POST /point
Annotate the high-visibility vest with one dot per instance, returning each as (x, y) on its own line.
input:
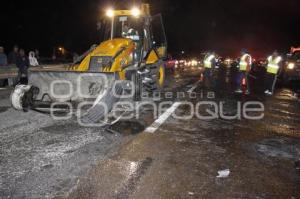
(244, 65)
(207, 61)
(273, 64)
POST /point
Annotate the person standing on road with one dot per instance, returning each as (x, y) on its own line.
(273, 69)
(245, 64)
(37, 55)
(32, 59)
(209, 65)
(22, 64)
(12, 57)
(3, 57)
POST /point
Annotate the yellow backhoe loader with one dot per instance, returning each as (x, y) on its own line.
(129, 60)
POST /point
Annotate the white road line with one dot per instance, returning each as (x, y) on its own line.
(162, 118)
(3, 88)
(194, 87)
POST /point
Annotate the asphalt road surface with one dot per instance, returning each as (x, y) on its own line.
(162, 157)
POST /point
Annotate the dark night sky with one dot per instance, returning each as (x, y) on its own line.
(225, 26)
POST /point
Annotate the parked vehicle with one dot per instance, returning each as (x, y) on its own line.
(291, 69)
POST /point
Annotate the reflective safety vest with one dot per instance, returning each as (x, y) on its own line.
(207, 61)
(273, 64)
(244, 65)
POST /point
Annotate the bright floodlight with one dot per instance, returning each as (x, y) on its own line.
(110, 13)
(135, 12)
(291, 66)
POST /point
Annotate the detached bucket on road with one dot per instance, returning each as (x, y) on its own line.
(86, 90)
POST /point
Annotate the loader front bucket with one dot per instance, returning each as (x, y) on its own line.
(98, 91)
(63, 86)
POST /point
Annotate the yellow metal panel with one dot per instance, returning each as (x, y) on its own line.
(122, 75)
(162, 51)
(145, 8)
(161, 79)
(122, 12)
(84, 65)
(109, 48)
(124, 59)
(152, 58)
(127, 13)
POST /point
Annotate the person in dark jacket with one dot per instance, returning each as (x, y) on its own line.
(12, 56)
(3, 57)
(22, 63)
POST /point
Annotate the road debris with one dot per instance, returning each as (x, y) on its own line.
(223, 173)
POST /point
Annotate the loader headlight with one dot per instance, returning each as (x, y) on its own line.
(110, 13)
(291, 66)
(135, 12)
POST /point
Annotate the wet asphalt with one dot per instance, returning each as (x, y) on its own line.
(44, 158)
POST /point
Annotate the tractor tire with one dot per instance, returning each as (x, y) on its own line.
(156, 79)
(137, 82)
(98, 112)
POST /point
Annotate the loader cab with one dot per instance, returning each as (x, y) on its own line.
(145, 31)
(129, 27)
(126, 27)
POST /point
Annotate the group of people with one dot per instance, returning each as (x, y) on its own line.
(273, 69)
(17, 57)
